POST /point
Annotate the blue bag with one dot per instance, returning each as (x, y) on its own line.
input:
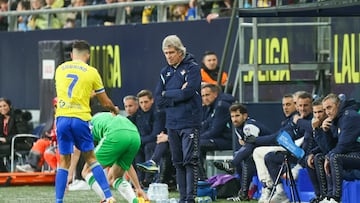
(285, 140)
(204, 189)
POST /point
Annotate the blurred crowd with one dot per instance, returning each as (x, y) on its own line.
(141, 14)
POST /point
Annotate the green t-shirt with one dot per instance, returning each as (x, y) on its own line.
(105, 124)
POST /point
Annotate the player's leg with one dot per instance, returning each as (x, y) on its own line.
(116, 174)
(98, 173)
(84, 142)
(90, 180)
(106, 155)
(61, 177)
(128, 145)
(65, 142)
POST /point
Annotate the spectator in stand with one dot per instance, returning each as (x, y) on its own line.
(37, 153)
(131, 105)
(3, 19)
(264, 3)
(210, 69)
(211, 10)
(23, 20)
(133, 14)
(69, 23)
(97, 18)
(212, 7)
(149, 14)
(36, 21)
(57, 20)
(216, 132)
(346, 154)
(76, 16)
(246, 129)
(150, 123)
(12, 122)
(178, 93)
(111, 14)
(181, 12)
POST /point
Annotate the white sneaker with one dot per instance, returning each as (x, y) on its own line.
(325, 200)
(333, 200)
(25, 168)
(280, 197)
(78, 185)
(126, 191)
(265, 194)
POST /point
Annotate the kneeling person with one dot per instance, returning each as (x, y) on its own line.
(118, 143)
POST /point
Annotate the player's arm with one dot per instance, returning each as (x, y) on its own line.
(106, 102)
(135, 181)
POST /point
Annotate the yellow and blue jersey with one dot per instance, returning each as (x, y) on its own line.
(75, 81)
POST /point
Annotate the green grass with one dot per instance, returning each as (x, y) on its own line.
(46, 194)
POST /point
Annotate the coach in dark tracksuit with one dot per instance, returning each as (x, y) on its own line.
(178, 92)
(346, 154)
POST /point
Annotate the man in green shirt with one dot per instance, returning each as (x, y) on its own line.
(118, 142)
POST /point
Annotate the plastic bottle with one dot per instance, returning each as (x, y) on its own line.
(173, 200)
(207, 199)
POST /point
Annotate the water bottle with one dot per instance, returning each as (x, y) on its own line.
(198, 199)
(173, 200)
(157, 191)
(207, 199)
(164, 191)
(151, 192)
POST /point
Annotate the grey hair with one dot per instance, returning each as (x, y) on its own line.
(175, 42)
(130, 97)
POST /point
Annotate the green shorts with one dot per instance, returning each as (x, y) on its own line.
(118, 147)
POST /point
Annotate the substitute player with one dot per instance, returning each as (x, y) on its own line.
(118, 143)
(75, 81)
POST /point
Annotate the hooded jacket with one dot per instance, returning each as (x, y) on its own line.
(347, 122)
(217, 122)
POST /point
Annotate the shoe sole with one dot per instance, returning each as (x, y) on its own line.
(221, 167)
(22, 170)
(144, 169)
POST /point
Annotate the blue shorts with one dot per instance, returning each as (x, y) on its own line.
(73, 131)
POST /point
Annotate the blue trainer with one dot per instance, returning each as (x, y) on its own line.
(148, 166)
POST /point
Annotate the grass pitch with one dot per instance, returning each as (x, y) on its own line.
(46, 194)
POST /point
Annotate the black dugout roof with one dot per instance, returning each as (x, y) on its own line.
(329, 8)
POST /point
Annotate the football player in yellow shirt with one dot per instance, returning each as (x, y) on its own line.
(75, 81)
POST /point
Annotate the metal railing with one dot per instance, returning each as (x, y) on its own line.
(120, 18)
(120, 14)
